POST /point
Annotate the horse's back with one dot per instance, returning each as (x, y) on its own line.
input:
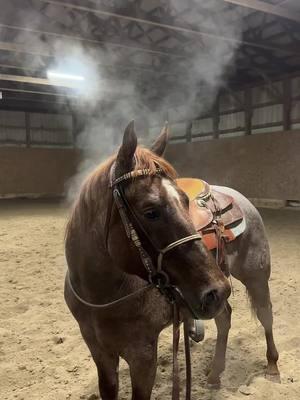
(251, 214)
(249, 254)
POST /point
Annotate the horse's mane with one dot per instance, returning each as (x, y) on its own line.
(95, 187)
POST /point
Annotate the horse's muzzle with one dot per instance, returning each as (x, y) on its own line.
(213, 301)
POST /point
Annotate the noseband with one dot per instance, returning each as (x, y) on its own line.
(156, 274)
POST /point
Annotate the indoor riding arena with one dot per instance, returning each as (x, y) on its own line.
(218, 79)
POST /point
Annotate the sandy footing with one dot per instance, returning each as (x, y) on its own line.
(42, 355)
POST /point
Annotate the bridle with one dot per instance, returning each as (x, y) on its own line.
(157, 277)
(155, 272)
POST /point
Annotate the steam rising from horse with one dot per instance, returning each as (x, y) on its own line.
(105, 266)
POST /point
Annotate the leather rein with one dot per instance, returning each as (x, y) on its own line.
(157, 277)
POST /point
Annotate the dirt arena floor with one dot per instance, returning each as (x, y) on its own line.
(42, 355)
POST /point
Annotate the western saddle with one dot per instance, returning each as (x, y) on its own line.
(216, 216)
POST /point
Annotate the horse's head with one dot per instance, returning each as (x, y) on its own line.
(159, 211)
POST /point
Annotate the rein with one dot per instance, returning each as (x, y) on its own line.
(110, 304)
(157, 278)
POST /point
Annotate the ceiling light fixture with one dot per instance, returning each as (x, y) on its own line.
(61, 75)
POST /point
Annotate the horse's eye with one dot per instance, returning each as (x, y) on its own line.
(152, 214)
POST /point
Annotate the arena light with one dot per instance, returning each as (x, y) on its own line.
(63, 76)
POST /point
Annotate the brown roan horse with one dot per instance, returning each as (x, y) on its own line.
(105, 265)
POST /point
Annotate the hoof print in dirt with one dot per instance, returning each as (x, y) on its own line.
(246, 390)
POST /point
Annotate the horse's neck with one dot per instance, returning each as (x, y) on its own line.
(102, 282)
(92, 270)
(93, 276)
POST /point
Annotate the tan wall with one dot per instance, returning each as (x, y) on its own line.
(259, 166)
(36, 171)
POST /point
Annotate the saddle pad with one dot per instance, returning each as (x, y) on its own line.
(230, 234)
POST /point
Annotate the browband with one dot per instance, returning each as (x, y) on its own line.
(135, 174)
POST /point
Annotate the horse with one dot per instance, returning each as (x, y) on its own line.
(130, 225)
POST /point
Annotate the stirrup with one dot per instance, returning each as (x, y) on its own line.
(196, 330)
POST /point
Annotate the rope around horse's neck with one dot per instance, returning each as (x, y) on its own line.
(110, 304)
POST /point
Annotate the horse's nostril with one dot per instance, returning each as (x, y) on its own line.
(210, 297)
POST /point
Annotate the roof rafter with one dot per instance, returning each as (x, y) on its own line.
(94, 41)
(19, 48)
(259, 5)
(33, 80)
(188, 30)
(46, 53)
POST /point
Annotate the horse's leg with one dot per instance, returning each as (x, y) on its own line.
(261, 303)
(108, 376)
(107, 367)
(142, 360)
(223, 323)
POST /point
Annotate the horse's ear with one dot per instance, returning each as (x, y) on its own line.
(160, 143)
(124, 160)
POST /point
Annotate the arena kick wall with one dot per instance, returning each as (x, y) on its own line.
(265, 166)
(262, 166)
(36, 172)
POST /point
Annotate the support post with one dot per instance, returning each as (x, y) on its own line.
(287, 104)
(27, 128)
(188, 131)
(248, 111)
(216, 118)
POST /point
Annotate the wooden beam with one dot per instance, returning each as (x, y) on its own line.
(34, 81)
(39, 92)
(267, 8)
